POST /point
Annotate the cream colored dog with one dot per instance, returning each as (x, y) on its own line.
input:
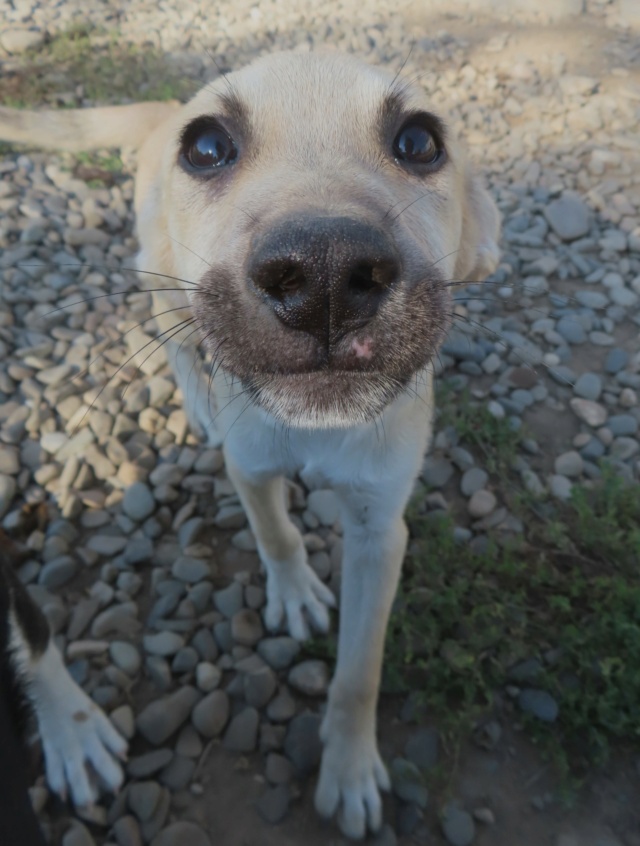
(308, 216)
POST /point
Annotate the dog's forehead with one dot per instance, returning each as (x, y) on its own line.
(319, 97)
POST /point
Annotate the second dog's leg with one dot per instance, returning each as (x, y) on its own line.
(294, 592)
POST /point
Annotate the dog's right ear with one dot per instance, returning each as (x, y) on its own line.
(479, 253)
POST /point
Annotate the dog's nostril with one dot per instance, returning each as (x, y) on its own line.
(280, 279)
(367, 278)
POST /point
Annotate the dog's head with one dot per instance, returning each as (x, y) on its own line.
(325, 213)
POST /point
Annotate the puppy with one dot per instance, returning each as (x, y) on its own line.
(76, 736)
(308, 216)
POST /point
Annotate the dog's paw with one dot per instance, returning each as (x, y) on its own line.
(351, 777)
(80, 745)
(298, 597)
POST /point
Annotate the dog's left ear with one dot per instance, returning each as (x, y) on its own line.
(479, 254)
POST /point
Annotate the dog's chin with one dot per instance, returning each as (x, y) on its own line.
(326, 399)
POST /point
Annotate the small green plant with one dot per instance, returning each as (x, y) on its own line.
(567, 601)
(96, 65)
(495, 437)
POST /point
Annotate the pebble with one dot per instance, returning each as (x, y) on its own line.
(302, 743)
(190, 570)
(163, 643)
(539, 703)
(408, 782)
(437, 471)
(457, 826)
(246, 627)
(182, 834)
(590, 412)
(274, 804)
(588, 386)
(422, 748)
(163, 717)
(310, 677)
(242, 733)
(229, 600)
(473, 480)
(126, 657)
(211, 714)
(481, 504)
(569, 464)
(569, 217)
(138, 502)
(278, 652)
(560, 487)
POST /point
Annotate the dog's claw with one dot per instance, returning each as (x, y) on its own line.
(351, 777)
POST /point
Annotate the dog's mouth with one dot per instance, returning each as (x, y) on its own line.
(324, 399)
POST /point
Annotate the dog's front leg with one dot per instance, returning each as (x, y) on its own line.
(294, 593)
(352, 772)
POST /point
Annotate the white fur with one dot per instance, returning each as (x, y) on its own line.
(372, 468)
(78, 740)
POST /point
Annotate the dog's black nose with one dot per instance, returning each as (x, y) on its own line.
(324, 275)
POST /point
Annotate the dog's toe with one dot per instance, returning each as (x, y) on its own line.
(349, 784)
(298, 598)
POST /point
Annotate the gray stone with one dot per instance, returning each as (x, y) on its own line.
(623, 424)
(590, 412)
(616, 360)
(539, 703)
(208, 676)
(571, 330)
(279, 770)
(458, 826)
(274, 804)
(302, 743)
(259, 687)
(283, 707)
(278, 652)
(242, 733)
(77, 835)
(246, 627)
(143, 766)
(181, 834)
(190, 570)
(163, 643)
(161, 718)
(17, 41)
(560, 487)
(229, 600)
(436, 471)
(473, 480)
(178, 774)
(8, 488)
(211, 714)
(143, 799)
(310, 677)
(569, 217)
(138, 502)
(588, 386)
(422, 748)
(58, 572)
(569, 464)
(408, 783)
(125, 656)
(481, 504)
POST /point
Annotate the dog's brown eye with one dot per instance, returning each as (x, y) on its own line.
(206, 147)
(417, 144)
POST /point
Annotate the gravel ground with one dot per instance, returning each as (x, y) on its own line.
(138, 550)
